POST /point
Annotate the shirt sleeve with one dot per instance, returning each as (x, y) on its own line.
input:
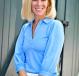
(19, 56)
(53, 50)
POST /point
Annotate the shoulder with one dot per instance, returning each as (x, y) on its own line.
(25, 25)
(53, 23)
(57, 24)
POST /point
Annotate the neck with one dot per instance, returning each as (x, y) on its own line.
(37, 19)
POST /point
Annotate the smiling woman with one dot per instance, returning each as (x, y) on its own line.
(40, 41)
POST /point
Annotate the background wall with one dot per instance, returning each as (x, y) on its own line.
(7, 27)
(69, 11)
(10, 25)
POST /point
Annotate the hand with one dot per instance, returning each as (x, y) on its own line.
(22, 73)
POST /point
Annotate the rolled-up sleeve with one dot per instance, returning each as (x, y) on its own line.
(19, 56)
(53, 50)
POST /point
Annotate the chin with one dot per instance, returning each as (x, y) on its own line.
(40, 15)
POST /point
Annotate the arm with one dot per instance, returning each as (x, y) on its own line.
(19, 56)
(53, 50)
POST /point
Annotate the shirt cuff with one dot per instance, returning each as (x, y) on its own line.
(19, 67)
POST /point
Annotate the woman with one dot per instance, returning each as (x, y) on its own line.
(40, 41)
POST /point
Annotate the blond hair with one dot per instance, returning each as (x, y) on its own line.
(27, 14)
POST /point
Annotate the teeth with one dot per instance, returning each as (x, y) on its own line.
(39, 8)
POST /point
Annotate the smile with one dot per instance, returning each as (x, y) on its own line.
(38, 9)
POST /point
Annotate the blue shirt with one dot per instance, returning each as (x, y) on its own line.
(41, 53)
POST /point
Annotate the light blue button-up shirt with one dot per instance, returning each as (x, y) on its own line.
(41, 53)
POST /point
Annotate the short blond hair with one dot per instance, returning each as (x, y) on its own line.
(26, 12)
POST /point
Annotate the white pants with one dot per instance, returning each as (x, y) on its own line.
(31, 74)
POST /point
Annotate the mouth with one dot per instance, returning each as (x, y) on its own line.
(39, 9)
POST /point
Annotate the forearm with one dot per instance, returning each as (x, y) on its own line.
(22, 73)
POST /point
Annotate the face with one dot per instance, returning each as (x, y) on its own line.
(39, 7)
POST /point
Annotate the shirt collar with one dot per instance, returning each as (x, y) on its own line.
(45, 20)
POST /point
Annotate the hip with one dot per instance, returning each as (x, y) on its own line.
(32, 74)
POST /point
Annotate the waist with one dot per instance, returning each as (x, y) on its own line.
(31, 74)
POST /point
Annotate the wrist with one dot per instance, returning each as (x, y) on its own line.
(22, 73)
